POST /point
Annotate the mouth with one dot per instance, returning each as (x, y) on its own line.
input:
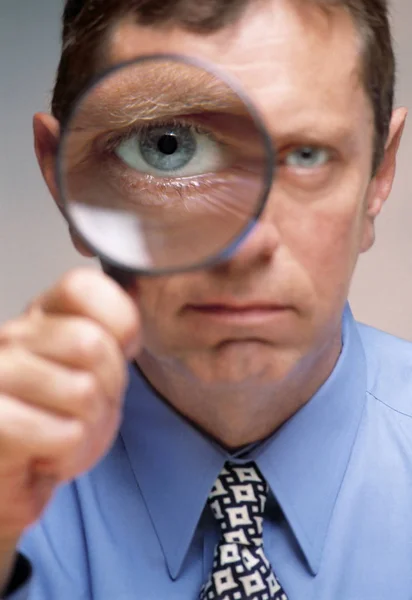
(233, 308)
(238, 313)
(232, 305)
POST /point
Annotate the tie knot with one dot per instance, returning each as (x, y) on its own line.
(238, 501)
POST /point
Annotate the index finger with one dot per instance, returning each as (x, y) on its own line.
(91, 294)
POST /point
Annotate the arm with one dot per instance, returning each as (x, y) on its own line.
(15, 585)
(58, 420)
(15, 571)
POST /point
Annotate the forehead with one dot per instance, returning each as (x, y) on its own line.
(293, 57)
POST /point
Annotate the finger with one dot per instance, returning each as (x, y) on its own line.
(27, 432)
(91, 294)
(76, 343)
(52, 387)
(61, 447)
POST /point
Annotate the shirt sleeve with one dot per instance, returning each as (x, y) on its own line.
(19, 584)
(52, 563)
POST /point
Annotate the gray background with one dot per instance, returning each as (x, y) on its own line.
(34, 245)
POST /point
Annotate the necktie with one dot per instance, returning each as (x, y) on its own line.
(240, 568)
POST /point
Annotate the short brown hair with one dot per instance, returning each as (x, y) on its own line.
(87, 22)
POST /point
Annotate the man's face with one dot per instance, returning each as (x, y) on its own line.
(301, 68)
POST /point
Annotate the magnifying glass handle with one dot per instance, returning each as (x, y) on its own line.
(123, 278)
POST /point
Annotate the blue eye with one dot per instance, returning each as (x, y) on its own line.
(171, 150)
(307, 157)
(168, 149)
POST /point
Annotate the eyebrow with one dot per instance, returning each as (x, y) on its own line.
(120, 99)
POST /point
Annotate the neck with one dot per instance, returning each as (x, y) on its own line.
(226, 412)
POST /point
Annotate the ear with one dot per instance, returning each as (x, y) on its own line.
(46, 131)
(381, 185)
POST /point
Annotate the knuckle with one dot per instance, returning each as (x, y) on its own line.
(72, 283)
(75, 285)
(91, 344)
(12, 361)
(67, 445)
(73, 451)
(73, 438)
(14, 426)
(87, 392)
(13, 331)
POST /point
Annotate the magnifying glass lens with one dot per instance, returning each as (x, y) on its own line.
(163, 165)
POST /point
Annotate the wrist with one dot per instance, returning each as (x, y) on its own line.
(8, 553)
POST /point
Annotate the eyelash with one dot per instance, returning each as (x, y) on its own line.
(110, 144)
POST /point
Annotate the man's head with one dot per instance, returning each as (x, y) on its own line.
(322, 76)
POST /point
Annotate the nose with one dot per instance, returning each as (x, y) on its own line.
(256, 250)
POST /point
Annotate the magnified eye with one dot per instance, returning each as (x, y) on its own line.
(172, 150)
(307, 157)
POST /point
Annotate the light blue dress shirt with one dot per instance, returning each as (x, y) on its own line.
(136, 527)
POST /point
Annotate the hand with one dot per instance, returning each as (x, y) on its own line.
(62, 379)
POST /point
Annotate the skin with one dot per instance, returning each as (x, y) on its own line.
(238, 379)
(301, 67)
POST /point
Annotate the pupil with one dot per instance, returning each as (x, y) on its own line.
(167, 144)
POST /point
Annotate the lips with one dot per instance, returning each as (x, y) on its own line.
(238, 320)
(253, 314)
(231, 310)
(234, 307)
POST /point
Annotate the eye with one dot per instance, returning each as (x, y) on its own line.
(172, 150)
(307, 157)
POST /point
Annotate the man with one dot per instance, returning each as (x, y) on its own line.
(256, 403)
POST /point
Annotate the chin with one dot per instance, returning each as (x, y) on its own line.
(242, 363)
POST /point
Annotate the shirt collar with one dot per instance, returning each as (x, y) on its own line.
(175, 466)
(304, 462)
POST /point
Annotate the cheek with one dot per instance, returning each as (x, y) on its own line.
(324, 238)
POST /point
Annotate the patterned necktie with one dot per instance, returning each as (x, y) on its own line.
(240, 568)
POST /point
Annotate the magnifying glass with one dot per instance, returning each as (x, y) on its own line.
(164, 166)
